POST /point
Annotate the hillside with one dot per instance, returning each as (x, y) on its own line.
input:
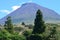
(26, 13)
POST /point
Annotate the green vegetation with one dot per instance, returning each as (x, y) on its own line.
(39, 27)
(8, 32)
(40, 30)
(23, 23)
(5, 35)
(8, 25)
(52, 35)
(39, 23)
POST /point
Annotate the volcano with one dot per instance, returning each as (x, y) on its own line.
(27, 12)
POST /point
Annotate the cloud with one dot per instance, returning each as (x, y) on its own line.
(9, 11)
(15, 7)
(5, 11)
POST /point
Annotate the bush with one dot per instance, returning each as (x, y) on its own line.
(27, 33)
(18, 37)
(5, 35)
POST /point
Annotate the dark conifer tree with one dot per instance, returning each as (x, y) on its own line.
(23, 23)
(8, 25)
(39, 26)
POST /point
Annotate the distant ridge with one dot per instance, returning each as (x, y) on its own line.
(26, 13)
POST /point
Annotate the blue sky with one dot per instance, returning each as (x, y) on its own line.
(7, 6)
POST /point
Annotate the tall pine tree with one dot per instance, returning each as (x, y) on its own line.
(39, 26)
(8, 25)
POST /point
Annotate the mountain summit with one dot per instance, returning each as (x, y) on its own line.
(27, 12)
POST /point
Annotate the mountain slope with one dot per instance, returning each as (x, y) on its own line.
(26, 13)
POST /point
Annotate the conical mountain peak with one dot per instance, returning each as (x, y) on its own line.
(27, 12)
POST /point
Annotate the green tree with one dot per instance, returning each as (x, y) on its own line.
(39, 26)
(8, 25)
(23, 23)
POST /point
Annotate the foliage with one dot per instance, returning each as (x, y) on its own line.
(18, 29)
(5, 35)
(27, 33)
(8, 33)
(8, 25)
(52, 35)
(39, 26)
(23, 23)
(38, 32)
(17, 37)
(34, 37)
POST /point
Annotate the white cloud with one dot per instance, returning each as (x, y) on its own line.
(8, 11)
(5, 11)
(15, 7)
